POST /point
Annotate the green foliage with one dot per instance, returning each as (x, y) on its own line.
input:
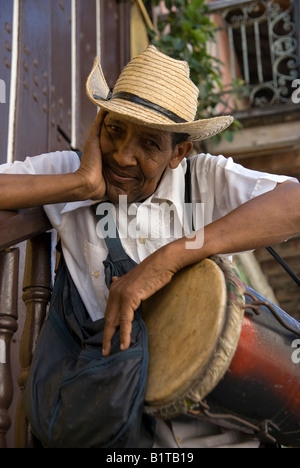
(185, 35)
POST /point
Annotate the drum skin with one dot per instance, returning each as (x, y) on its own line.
(220, 359)
(192, 336)
(263, 381)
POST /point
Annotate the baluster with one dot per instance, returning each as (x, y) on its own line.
(9, 267)
(37, 292)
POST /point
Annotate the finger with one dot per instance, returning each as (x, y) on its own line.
(96, 127)
(125, 334)
(109, 331)
(126, 320)
(93, 141)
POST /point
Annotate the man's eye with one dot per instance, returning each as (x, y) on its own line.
(152, 144)
(115, 129)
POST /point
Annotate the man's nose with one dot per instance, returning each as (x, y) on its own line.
(126, 153)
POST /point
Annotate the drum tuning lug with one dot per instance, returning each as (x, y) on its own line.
(253, 307)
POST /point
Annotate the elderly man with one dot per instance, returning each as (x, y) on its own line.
(137, 149)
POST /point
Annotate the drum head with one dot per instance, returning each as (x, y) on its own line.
(190, 348)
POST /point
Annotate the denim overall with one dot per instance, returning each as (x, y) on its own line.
(75, 397)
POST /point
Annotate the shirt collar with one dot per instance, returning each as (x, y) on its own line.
(171, 189)
(72, 206)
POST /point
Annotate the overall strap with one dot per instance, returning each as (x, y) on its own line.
(113, 244)
(188, 196)
(188, 183)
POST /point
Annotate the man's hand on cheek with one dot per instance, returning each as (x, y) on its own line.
(90, 170)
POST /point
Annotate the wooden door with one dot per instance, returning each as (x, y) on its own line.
(47, 49)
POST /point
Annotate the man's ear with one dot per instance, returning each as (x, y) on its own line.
(182, 150)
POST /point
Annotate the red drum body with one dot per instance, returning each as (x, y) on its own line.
(262, 384)
(220, 351)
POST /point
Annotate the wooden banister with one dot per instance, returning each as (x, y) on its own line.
(9, 268)
(30, 224)
(17, 226)
(37, 292)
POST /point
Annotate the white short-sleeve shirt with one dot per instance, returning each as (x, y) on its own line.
(218, 186)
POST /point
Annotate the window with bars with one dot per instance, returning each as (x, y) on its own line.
(263, 46)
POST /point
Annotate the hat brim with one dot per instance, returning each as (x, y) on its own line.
(197, 130)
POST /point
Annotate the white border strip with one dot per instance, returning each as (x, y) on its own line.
(13, 82)
(74, 74)
(98, 29)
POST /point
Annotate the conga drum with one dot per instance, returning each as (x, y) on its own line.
(220, 351)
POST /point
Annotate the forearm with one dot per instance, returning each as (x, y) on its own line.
(23, 191)
(266, 220)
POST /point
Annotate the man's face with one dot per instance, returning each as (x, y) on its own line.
(134, 158)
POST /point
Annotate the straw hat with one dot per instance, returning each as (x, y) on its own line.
(155, 90)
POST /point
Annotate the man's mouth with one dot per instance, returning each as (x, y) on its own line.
(118, 176)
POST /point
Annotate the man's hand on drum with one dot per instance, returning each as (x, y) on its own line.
(127, 292)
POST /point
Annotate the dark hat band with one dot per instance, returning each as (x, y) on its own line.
(125, 96)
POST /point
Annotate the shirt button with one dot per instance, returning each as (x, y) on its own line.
(142, 240)
(96, 274)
